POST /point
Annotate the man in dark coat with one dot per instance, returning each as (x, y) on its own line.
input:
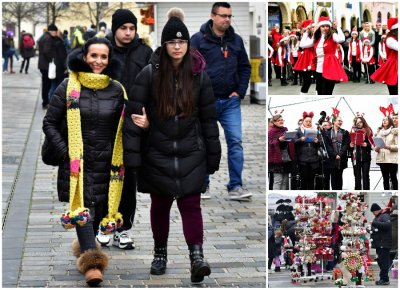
(134, 55)
(229, 69)
(51, 47)
(381, 236)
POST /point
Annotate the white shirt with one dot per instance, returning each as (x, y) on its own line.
(270, 51)
(365, 57)
(337, 37)
(392, 43)
(306, 42)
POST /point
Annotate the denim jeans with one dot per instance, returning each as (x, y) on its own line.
(54, 84)
(7, 55)
(383, 263)
(230, 117)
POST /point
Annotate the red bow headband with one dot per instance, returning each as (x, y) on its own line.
(358, 114)
(387, 111)
(280, 113)
(305, 114)
(335, 112)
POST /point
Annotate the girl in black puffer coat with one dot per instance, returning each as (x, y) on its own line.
(181, 145)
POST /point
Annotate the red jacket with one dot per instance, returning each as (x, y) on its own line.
(388, 72)
(332, 69)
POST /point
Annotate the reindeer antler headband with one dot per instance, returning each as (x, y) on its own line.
(387, 112)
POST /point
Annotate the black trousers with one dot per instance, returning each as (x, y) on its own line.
(269, 69)
(307, 175)
(295, 73)
(369, 70)
(356, 68)
(389, 172)
(337, 179)
(87, 233)
(127, 207)
(306, 81)
(276, 68)
(393, 90)
(46, 85)
(25, 61)
(324, 86)
(361, 172)
(327, 177)
(383, 263)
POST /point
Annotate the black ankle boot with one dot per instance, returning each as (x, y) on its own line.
(283, 82)
(198, 267)
(159, 264)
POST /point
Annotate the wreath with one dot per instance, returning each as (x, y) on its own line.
(353, 262)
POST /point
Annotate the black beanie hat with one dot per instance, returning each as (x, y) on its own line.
(52, 27)
(375, 207)
(120, 17)
(174, 29)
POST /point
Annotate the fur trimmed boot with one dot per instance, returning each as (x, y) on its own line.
(159, 264)
(198, 267)
(76, 248)
(92, 263)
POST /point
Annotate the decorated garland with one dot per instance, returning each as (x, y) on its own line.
(353, 262)
(77, 213)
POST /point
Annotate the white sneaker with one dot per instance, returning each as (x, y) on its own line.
(239, 193)
(206, 195)
(123, 240)
(103, 239)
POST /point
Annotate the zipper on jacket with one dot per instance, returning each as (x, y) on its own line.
(176, 162)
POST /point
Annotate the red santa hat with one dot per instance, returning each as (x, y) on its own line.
(306, 23)
(354, 31)
(323, 20)
(292, 34)
(366, 40)
(393, 23)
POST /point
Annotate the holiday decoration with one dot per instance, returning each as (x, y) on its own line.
(355, 245)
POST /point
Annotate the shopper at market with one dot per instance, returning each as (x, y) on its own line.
(381, 236)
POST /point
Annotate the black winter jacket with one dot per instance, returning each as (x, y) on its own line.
(132, 60)
(100, 112)
(306, 152)
(381, 231)
(173, 156)
(52, 48)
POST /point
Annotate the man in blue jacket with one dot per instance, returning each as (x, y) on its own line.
(229, 68)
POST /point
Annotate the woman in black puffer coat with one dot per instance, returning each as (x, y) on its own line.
(181, 145)
(89, 105)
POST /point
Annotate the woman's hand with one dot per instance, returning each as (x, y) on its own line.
(315, 140)
(377, 149)
(282, 138)
(352, 145)
(302, 139)
(364, 144)
(141, 120)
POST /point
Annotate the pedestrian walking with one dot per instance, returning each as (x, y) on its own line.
(27, 50)
(181, 145)
(360, 148)
(329, 70)
(387, 157)
(271, 244)
(133, 55)
(51, 48)
(278, 250)
(77, 40)
(89, 106)
(381, 236)
(67, 42)
(306, 61)
(388, 72)
(229, 69)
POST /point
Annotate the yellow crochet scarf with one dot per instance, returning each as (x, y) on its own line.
(77, 213)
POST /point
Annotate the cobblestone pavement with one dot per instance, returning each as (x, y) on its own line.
(36, 250)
